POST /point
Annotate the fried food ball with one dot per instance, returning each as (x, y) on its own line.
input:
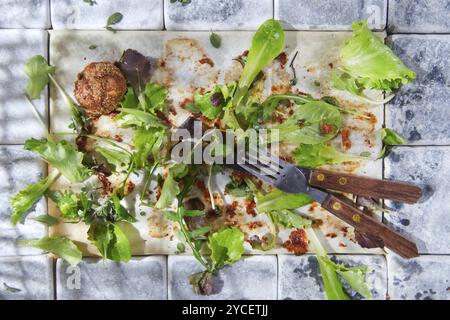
(99, 88)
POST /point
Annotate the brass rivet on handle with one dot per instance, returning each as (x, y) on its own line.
(320, 177)
(356, 218)
(342, 181)
(336, 206)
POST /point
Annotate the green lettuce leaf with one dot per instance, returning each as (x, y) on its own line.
(60, 246)
(23, 201)
(334, 290)
(267, 44)
(148, 142)
(390, 138)
(227, 246)
(315, 155)
(288, 219)
(171, 189)
(155, 96)
(110, 240)
(279, 200)
(307, 123)
(37, 70)
(46, 220)
(116, 158)
(129, 117)
(61, 155)
(368, 63)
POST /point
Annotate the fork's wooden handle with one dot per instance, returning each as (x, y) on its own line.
(367, 187)
(344, 209)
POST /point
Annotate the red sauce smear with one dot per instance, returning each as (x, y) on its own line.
(206, 60)
(345, 138)
(297, 243)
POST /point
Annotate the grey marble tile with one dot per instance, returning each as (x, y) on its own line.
(31, 14)
(18, 168)
(300, 277)
(217, 14)
(142, 278)
(29, 278)
(419, 16)
(420, 110)
(425, 222)
(17, 120)
(421, 278)
(330, 14)
(253, 278)
(427, 55)
(137, 14)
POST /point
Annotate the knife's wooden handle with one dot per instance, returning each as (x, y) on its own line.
(367, 187)
(344, 209)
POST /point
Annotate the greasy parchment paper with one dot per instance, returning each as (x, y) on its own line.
(177, 55)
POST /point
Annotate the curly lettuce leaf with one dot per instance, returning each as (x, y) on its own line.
(23, 201)
(367, 63)
(279, 200)
(227, 246)
(315, 155)
(307, 124)
(37, 70)
(62, 156)
(60, 246)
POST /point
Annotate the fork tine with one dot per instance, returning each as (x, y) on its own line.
(275, 169)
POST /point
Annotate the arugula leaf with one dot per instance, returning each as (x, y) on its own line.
(60, 246)
(369, 64)
(307, 124)
(46, 219)
(23, 201)
(390, 138)
(110, 241)
(61, 155)
(116, 158)
(148, 142)
(37, 71)
(315, 155)
(288, 219)
(279, 200)
(227, 246)
(267, 44)
(11, 289)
